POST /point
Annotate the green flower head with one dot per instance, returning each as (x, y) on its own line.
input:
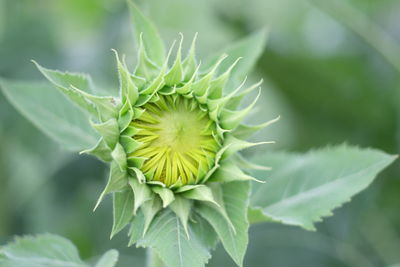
(171, 135)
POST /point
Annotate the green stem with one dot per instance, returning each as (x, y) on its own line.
(153, 260)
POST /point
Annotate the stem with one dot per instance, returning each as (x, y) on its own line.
(153, 260)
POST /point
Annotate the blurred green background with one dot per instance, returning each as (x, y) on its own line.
(331, 69)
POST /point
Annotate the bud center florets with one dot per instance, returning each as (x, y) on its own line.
(177, 141)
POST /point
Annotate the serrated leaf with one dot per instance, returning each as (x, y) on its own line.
(235, 197)
(123, 204)
(249, 48)
(154, 46)
(167, 237)
(67, 83)
(51, 112)
(303, 188)
(41, 251)
(109, 259)
(48, 250)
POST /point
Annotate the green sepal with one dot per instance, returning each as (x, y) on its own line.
(109, 130)
(138, 174)
(230, 172)
(119, 156)
(117, 181)
(200, 193)
(175, 75)
(127, 88)
(101, 150)
(130, 131)
(125, 116)
(129, 143)
(233, 145)
(150, 209)
(136, 162)
(245, 131)
(217, 85)
(235, 99)
(145, 68)
(182, 207)
(123, 203)
(189, 64)
(166, 194)
(231, 119)
(141, 192)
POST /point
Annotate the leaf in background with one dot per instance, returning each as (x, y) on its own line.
(109, 259)
(51, 112)
(168, 238)
(41, 251)
(235, 196)
(306, 187)
(249, 48)
(152, 42)
(48, 250)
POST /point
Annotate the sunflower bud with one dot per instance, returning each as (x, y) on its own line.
(171, 136)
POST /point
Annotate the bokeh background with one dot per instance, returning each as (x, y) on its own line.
(331, 70)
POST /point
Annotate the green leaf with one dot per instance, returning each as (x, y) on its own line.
(303, 188)
(123, 203)
(67, 83)
(249, 48)
(154, 46)
(51, 112)
(204, 232)
(235, 197)
(167, 237)
(109, 259)
(41, 251)
(48, 250)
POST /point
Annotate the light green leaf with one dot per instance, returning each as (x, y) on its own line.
(204, 232)
(109, 259)
(154, 46)
(235, 197)
(41, 251)
(303, 188)
(48, 250)
(51, 112)
(249, 48)
(68, 83)
(167, 237)
(123, 203)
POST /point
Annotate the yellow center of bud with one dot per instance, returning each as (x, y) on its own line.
(177, 141)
